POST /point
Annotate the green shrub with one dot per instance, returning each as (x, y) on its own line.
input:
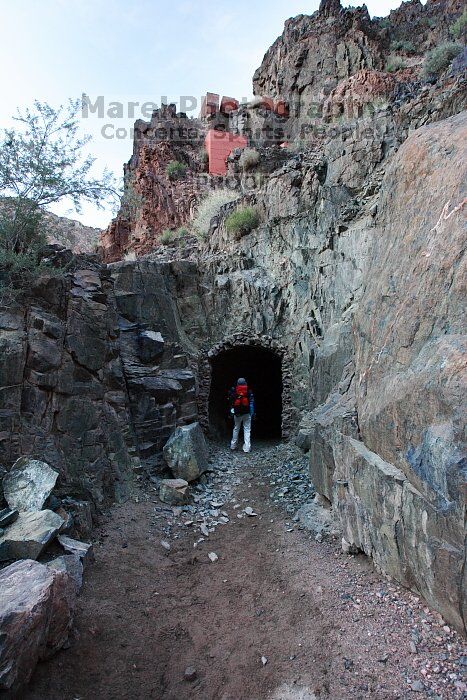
(459, 28)
(242, 221)
(405, 46)
(439, 58)
(209, 208)
(175, 170)
(249, 158)
(167, 236)
(395, 63)
(22, 241)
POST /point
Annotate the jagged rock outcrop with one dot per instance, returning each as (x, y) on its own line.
(153, 201)
(314, 53)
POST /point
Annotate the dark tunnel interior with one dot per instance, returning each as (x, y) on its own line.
(262, 370)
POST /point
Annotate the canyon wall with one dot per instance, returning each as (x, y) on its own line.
(355, 272)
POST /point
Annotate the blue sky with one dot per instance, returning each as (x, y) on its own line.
(142, 50)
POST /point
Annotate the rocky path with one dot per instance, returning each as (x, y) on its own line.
(277, 615)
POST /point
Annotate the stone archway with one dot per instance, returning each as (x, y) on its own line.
(240, 343)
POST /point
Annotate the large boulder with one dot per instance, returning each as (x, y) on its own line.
(29, 535)
(28, 484)
(36, 613)
(186, 452)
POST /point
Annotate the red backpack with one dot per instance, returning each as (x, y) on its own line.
(241, 402)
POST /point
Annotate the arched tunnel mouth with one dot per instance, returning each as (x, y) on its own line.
(262, 369)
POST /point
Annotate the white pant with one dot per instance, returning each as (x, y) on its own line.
(246, 422)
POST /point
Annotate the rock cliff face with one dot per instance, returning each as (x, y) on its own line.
(353, 279)
(153, 202)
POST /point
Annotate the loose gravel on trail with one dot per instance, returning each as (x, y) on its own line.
(233, 598)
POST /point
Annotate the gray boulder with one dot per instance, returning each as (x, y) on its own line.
(28, 484)
(83, 550)
(29, 535)
(175, 492)
(186, 452)
(36, 614)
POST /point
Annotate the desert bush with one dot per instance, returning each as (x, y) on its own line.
(439, 58)
(459, 28)
(395, 63)
(167, 236)
(242, 221)
(130, 256)
(209, 208)
(249, 158)
(405, 46)
(175, 170)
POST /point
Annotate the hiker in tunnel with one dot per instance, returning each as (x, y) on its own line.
(242, 407)
(263, 370)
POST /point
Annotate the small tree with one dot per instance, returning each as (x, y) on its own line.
(41, 163)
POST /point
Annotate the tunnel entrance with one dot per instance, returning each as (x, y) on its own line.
(262, 368)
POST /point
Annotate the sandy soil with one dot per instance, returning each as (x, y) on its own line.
(278, 616)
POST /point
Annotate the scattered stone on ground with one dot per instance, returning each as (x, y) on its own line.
(28, 484)
(186, 453)
(29, 535)
(328, 624)
(35, 618)
(190, 674)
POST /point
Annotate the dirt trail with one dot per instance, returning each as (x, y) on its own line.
(328, 625)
